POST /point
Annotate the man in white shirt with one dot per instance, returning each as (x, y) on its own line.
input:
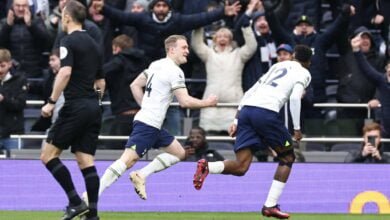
(162, 80)
(257, 125)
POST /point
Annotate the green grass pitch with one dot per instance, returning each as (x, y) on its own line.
(19, 215)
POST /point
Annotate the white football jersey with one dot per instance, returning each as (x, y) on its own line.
(163, 77)
(273, 89)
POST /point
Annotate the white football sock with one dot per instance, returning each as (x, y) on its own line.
(216, 167)
(274, 193)
(111, 175)
(161, 162)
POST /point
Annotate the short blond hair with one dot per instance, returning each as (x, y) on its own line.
(223, 30)
(172, 40)
(5, 55)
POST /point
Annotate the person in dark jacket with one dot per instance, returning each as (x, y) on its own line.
(354, 86)
(305, 33)
(13, 93)
(265, 55)
(197, 148)
(120, 72)
(91, 28)
(25, 36)
(382, 83)
(370, 151)
(160, 22)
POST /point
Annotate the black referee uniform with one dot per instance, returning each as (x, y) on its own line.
(79, 120)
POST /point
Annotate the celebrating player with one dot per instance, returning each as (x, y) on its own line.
(257, 125)
(162, 80)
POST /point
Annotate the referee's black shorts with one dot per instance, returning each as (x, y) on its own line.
(78, 126)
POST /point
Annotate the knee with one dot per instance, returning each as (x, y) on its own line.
(287, 159)
(241, 171)
(44, 157)
(182, 155)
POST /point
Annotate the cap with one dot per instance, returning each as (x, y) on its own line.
(154, 2)
(304, 18)
(362, 30)
(285, 47)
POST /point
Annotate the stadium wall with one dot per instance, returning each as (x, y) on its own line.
(312, 188)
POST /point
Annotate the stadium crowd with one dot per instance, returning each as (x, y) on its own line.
(228, 55)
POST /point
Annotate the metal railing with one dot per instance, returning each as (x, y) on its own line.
(20, 137)
(224, 138)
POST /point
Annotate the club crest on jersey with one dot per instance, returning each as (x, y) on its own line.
(63, 52)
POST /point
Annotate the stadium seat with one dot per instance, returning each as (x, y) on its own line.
(346, 147)
(220, 145)
(106, 125)
(315, 147)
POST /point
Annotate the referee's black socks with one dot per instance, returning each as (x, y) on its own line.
(62, 175)
(91, 179)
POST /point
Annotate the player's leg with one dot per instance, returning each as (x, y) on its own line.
(50, 157)
(286, 158)
(128, 158)
(236, 167)
(174, 152)
(271, 207)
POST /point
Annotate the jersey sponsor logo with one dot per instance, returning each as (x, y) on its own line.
(63, 52)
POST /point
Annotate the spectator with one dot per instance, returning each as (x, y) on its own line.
(55, 27)
(40, 8)
(196, 147)
(25, 36)
(106, 29)
(380, 80)
(354, 87)
(265, 54)
(120, 71)
(43, 123)
(224, 66)
(305, 33)
(13, 93)
(154, 26)
(372, 14)
(370, 151)
(284, 52)
(138, 6)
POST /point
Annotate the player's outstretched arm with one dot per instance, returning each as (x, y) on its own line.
(137, 87)
(187, 101)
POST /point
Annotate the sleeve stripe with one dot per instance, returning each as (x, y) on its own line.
(178, 87)
(302, 84)
(145, 73)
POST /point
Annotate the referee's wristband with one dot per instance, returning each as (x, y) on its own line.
(235, 121)
(51, 101)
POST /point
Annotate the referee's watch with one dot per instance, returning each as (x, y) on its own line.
(51, 101)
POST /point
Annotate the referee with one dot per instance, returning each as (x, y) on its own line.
(79, 120)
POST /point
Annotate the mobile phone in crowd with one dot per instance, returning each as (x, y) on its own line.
(371, 140)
